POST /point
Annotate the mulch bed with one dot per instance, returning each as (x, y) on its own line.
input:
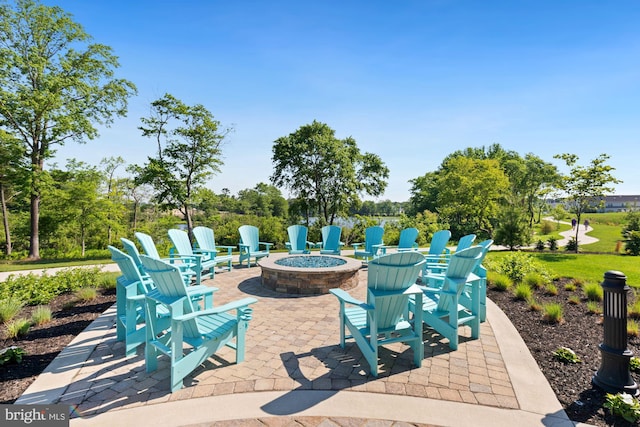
(580, 331)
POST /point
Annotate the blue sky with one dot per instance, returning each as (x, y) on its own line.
(411, 81)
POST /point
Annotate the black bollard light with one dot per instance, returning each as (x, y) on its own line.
(614, 375)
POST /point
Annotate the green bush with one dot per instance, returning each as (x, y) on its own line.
(547, 227)
(553, 243)
(9, 308)
(11, 354)
(17, 327)
(632, 246)
(553, 312)
(534, 279)
(593, 291)
(540, 245)
(572, 245)
(499, 282)
(516, 265)
(41, 315)
(523, 292)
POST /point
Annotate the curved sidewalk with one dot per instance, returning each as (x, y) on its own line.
(295, 373)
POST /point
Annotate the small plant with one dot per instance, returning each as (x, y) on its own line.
(534, 280)
(533, 304)
(552, 312)
(593, 307)
(572, 245)
(553, 243)
(9, 308)
(17, 328)
(540, 245)
(551, 289)
(593, 291)
(523, 292)
(633, 328)
(86, 294)
(623, 405)
(634, 364)
(566, 355)
(577, 281)
(570, 287)
(500, 282)
(574, 300)
(41, 315)
(633, 310)
(11, 354)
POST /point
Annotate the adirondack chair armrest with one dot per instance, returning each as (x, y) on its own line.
(205, 252)
(356, 245)
(228, 248)
(268, 245)
(345, 297)
(244, 247)
(234, 305)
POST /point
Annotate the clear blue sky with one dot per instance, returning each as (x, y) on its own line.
(409, 80)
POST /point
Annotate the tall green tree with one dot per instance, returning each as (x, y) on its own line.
(188, 141)
(55, 86)
(12, 174)
(330, 173)
(585, 186)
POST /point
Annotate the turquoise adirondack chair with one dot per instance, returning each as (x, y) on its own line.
(131, 287)
(407, 241)
(186, 264)
(442, 309)
(383, 318)
(132, 250)
(183, 249)
(250, 244)
(193, 335)
(439, 264)
(206, 244)
(298, 243)
(372, 246)
(331, 244)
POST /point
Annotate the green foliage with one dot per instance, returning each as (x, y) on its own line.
(41, 315)
(566, 355)
(9, 308)
(553, 243)
(17, 328)
(499, 282)
(572, 245)
(634, 364)
(86, 294)
(11, 354)
(632, 245)
(547, 227)
(633, 328)
(632, 219)
(35, 289)
(551, 289)
(553, 312)
(534, 280)
(325, 172)
(574, 300)
(623, 405)
(593, 291)
(540, 245)
(593, 307)
(570, 287)
(523, 292)
(516, 265)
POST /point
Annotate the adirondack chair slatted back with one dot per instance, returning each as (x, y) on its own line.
(181, 242)
(297, 238)
(205, 238)
(373, 236)
(331, 235)
(465, 242)
(460, 267)
(132, 250)
(128, 268)
(439, 242)
(392, 272)
(250, 236)
(408, 237)
(148, 245)
(169, 283)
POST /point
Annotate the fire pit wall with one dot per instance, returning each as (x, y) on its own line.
(309, 281)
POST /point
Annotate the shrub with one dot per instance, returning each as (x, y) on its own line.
(533, 304)
(11, 354)
(553, 243)
(566, 355)
(632, 246)
(547, 227)
(633, 310)
(86, 294)
(551, 289)
(634, 364)
(572, 245)
(516, 265)
(17, 328)
(574, 299)
(9, 308)
(523, 292)
(623, 405)
(593, 307)
(552, 312)
(593, 291)
(41, 315)
(534, 280)
(540, 245)
(570, 287)
(633, 328)
(499, 282)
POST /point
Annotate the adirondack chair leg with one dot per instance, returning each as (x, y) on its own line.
(418, 346)
(150, 351)
(243, 315)
(176, 356)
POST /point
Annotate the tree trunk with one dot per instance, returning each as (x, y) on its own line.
(34, 240)
(5, 220)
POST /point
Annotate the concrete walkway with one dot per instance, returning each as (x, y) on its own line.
(295, 373)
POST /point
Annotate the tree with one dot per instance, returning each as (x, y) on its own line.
(54, 87)
(329, 172)
(12, 172)
(109, 167)
(585, 186)
(512, 229)
(188, 153)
